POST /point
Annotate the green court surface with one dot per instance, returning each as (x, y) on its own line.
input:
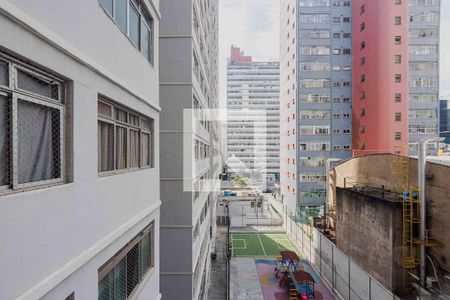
(259, 244)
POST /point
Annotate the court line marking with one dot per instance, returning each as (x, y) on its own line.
(259, 238)
(239, 248)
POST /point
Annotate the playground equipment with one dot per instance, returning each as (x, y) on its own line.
(300, 282)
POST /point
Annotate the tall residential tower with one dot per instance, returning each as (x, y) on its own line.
(190, 144)
(253, 123)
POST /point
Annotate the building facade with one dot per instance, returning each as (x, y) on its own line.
(253, 119)
(380, 76)
(190, 144)
(424, 20)
(79, 160)
(324, 77)
(316, 79)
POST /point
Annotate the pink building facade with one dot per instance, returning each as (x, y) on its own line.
(380, 76)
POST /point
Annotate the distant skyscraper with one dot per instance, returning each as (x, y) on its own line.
(253, 133)
(316, 76)
(389, 74)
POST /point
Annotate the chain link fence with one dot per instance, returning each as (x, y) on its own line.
(338, 270)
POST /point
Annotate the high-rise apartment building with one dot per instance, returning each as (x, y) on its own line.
(316, 79)
(253, 118)
(190, 144)
(79, 142)
(423, 70)
(389, 74)
(380, 76)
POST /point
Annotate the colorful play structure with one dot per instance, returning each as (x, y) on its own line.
(290, 272)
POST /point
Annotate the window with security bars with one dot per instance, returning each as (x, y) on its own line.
(120, 276)
(124, 138)
(32, 125)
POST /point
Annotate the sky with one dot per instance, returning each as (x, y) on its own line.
(253, 25)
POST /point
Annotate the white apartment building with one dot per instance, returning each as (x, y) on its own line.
(79, 159)
(253, 110)
(190, 145)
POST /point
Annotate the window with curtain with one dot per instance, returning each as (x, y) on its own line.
(121, 275)
(124, 138)
(32, 126)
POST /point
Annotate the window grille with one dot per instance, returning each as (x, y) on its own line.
(121, 275)
(32, 125)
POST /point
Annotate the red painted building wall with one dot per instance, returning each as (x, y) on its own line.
(238, 56)
(380, 104)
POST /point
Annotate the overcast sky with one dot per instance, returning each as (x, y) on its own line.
(253, 26)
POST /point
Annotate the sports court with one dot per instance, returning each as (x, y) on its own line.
(259, 244)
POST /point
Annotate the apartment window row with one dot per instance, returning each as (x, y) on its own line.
(422, 114)
(341, 19)
(315, 114)
(314, 34)
(339, 147)
(423, 33)
(337, 84)
(313, 161)
(337, 3)
(314, 146)
(424, 3)
(423, 49)
(423, 82)
(424, 66)
(314, 130)
(201, 150)
(314, 18)
(423, 98)
(423, 129)
(314, 3)
(315, 83)
(313, 193)
(32, 126)
(312, 177)
(424, 17)
(200, 114)
(314, 50)
(345, 35)
(344, 51)
(135, 22)
(314, 98)
(315, 66)
(121, 275)
(124, 138)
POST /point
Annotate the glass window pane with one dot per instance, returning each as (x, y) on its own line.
(106, 287)
(37, 85)
(4, 73)
(132, 269)
(121, 147)
(39, 142)
(145, 258)
(145, 149)
(120, 280)
(105, 146)
(146, 40)
(104, 109)
(107, 5)
(4, 141)
(120, 14)
(135, 26)
(134, 149)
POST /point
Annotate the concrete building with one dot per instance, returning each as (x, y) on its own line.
(365, 204)
(79, 149)
(424, 21)
(190, 145)
(315, 97)
(380, 76)
(253, 118)
(318, 89)
(444, 120)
